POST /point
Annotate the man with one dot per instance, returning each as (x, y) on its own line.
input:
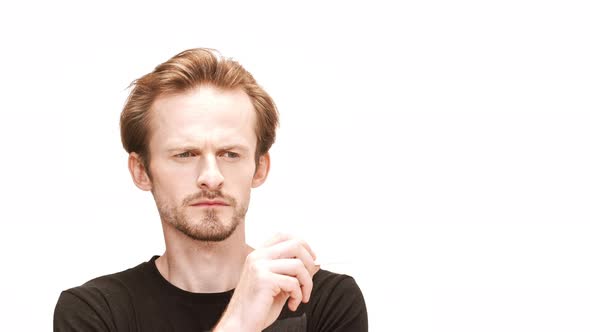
(198, 130)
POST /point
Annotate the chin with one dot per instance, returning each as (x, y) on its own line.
(208, 232)
(205, 225)
(209, 228)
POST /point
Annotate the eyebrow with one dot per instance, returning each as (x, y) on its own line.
(223, 147)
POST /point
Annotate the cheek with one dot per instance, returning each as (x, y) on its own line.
(239, 173)
(173, 183)
(243, 197)
(170, 171)
(238, 184)
(241, 185)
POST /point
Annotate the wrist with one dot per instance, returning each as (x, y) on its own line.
(226, 326)
(229, 323)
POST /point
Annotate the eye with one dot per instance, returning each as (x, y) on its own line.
(230, 155)
(184, 154)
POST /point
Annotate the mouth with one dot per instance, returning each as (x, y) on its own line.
(209, 204)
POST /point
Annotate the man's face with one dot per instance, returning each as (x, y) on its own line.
(202, 160)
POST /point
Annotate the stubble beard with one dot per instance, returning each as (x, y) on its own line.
(210, 228)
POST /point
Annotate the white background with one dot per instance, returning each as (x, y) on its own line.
(438, 151)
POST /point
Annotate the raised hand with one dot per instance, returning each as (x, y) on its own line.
(280, 271)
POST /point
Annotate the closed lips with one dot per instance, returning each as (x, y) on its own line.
(209, 203)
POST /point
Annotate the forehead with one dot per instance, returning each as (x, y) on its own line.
(204, 115)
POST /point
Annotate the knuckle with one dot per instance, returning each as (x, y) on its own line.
(281, 236)
(301, 242)
(256, 267)
(295, 244)
(300, 266)
(295, 283)
(251, 257)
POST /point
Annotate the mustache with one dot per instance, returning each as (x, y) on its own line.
(208, 194)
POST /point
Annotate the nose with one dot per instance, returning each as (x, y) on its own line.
(210, 177)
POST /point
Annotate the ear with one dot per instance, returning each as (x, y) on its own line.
(262, 171)
(139, 172)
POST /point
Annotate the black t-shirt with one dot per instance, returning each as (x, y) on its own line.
(140, 299)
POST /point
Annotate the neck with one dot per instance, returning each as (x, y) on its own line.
(203, 267)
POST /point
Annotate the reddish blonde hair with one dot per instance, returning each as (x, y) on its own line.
(186, 71)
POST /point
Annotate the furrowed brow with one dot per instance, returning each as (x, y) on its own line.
(183, 148)
(234, 147)
(194, 148)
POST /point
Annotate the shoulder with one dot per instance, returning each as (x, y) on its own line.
(93, 305)
(334, 287)
(326, 280)
(337, 303)
(114, 284)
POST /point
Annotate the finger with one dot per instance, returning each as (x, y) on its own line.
(291, 249)
(292, 287)
(283, 237)
(294, 268)
(284, 297)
